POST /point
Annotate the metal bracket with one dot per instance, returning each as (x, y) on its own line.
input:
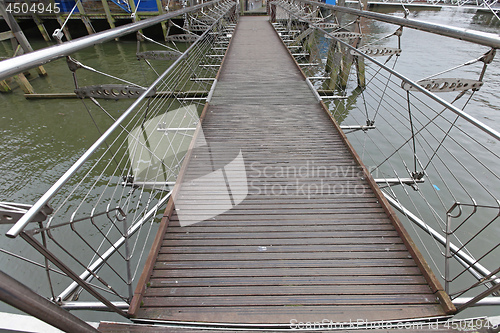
(444, 85)
(377, 51)
(397, 181)
(202, 79)
(417, 175)
(343, 34)
(129, 181)
(112, 91)
(357, 127)
(327, 25)
(58, 34)
(11, 212)
(399, 32)
(334, 97)
(158, 55)
(182, 38)
(488, 57)
(73, 64)
(198, 27)
(162, 127)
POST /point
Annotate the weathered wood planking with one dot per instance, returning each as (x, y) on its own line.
(310, 240)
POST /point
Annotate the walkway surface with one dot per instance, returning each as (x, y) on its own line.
(296, 231)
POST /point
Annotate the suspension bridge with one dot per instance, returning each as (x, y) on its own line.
(250, 150)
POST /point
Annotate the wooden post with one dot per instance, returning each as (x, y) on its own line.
(311, 44)
(19, 37)
(21, 79)
(84, 18)
(4, 87)
(360, 69)
(360, 61)
(23, 83)
(161, 11)
(333, 65)
(334, 58)
(110, 18)
(15, 29)
(39, 23)
(345, 67)
(348, 58)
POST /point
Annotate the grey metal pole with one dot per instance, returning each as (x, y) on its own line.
(21, 297)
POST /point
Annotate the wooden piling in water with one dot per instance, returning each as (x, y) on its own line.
(360, 70)
(109, 17)
(348, 59)
(333, 64)
(163, 24)
(38, 22)
(84, 18)
(21, 45)
(23, 83)
(4, 87)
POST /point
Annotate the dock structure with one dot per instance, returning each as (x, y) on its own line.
(297, 232)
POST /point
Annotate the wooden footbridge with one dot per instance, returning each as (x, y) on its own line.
(274, 222)
(308, 235)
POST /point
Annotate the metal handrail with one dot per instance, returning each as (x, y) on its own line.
(18, 295)
(95, 266)
(475, 268)
(13, 66)
(485, 128)
(27, 218)
(477, 37)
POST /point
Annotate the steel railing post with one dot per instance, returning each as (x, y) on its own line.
(19, 296)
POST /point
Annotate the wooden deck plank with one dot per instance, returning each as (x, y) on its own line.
(261, 254)
(208, 243)
(284, 314)
(323, 246)
(281, 228)
(309, 281)
(287, 272)
(298, 250)
(295, 300)
(262, 264)
(205, 291)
